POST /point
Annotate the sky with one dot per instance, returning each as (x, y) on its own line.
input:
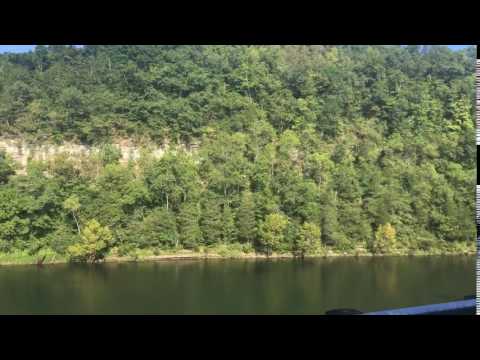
(457, 47)
(25, 48)
(16, 48)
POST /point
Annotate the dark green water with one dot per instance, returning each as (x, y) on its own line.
(235, 286)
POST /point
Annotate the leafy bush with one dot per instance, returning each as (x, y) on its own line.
(94, 244)
(384, 240)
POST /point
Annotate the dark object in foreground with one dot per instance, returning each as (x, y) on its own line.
(461, 307)
(343, 312)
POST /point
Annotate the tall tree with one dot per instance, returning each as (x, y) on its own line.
(246, 222)
(273, 232)
(189, 231)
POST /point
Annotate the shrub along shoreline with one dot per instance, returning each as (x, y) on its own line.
(226, 252)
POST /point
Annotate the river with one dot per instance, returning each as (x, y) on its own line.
(282, 286)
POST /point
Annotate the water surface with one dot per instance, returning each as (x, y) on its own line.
(285, 286)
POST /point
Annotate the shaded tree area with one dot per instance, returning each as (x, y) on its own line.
(301, 147)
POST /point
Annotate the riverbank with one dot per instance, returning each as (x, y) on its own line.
(223, 252)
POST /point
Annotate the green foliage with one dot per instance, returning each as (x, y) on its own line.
(189, 231)
(331, 232)
(95, 241)
(6, 168)
(158, 229)
(109, 154)
(272, 232)
(233, 250)
(229, 230)
(211, 220)
(384, 240)
(246, 222)
(72, 204)
(45, 256)
(264, 146)
(308, 239)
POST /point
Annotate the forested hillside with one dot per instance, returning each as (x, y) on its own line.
(300, 148)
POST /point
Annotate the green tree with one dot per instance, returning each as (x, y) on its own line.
(95, 241)
(158, 229)
(14, 225)
(385, 238)
(211, 220)
(72, 204)
(229, 231)
(189, 232)
(6, 168)
(172, 180)
(109, 154)
(246, 222)
(309, 239)
(272, 232)
(331, 232)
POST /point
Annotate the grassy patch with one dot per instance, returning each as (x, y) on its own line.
(234, 250)
(24, 258)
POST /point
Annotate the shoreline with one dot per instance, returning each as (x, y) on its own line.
(249, 256)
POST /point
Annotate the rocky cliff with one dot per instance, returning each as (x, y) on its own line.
(22, 151)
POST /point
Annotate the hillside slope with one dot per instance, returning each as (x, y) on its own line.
(302, 147)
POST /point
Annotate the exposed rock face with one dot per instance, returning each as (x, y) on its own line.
(21, 151)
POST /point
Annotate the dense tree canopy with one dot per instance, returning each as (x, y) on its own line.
(300, 146)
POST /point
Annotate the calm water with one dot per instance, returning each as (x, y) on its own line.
(235, 286)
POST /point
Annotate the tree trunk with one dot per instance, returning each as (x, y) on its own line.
(40, 261)
(76, 221)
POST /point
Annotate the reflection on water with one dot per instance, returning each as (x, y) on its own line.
(282, 286)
